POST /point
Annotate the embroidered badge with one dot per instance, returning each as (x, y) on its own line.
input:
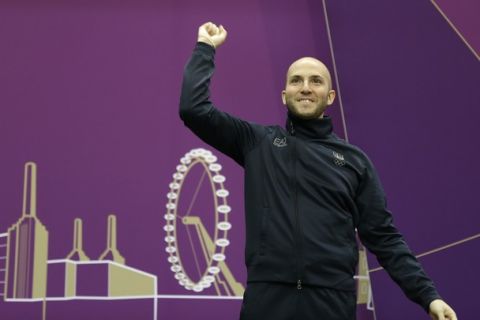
(338, 159)
(280, 142)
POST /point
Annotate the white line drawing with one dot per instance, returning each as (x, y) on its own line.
(455, 29)
(439, 249)
(213, 247)
(337, 80)
(3, 264)
(123, 282)
(25, 269)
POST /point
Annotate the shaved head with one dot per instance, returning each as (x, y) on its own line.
(314, 63)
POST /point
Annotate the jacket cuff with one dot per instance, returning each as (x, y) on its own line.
(205, 48)
(428, 299)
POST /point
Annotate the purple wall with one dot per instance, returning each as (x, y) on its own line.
(410, 89)
(463, 15)
(89, 92)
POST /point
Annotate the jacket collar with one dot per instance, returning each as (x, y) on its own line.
(309, 129)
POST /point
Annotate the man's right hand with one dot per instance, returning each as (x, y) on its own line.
(212, 35)
(439, 310)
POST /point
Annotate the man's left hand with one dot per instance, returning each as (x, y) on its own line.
(439, 310)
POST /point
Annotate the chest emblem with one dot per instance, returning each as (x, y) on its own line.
(338, 159)
(280, 142)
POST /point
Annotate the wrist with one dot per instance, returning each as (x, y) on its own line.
(207, 41)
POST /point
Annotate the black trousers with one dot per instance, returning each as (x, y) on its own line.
(277, 301)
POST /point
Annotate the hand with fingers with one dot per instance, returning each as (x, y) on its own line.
(439, 310)
(212, 34)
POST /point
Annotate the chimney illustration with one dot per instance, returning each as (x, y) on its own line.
(111, 252)
(26, 276)
(77, 252)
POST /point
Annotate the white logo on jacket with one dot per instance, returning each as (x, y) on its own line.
(338, 159)
(280, 142)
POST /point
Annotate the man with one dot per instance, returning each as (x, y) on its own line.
(306, 194)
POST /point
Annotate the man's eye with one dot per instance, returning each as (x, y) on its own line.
(295, 80)
(317, 81)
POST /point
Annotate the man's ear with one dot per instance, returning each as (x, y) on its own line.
(331, 97)
(284, 100)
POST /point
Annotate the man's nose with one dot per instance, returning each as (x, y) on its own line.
(306, 87)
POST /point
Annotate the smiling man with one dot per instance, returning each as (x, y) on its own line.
(308, 90)
(307, 194)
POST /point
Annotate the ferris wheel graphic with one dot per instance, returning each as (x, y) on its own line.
(197, 235)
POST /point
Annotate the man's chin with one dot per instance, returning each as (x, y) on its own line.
(305, 115)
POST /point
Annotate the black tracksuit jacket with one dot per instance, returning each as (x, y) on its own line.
(306, 191)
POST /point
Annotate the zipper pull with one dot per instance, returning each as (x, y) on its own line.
(292, 129)
(299, 284)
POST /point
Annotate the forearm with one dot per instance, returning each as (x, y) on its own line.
(381, 237)
(231, 135)
(397, 259)
(194, 99)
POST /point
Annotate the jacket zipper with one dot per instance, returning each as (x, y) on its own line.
(298, 238)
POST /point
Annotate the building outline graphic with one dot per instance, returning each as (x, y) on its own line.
(26, 273)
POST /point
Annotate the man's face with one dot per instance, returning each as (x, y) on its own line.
(308, 89)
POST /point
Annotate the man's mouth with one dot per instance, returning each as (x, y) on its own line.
(305, 100)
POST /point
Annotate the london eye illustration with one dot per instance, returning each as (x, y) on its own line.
(199, 236)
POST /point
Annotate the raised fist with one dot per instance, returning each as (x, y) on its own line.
(210, 34)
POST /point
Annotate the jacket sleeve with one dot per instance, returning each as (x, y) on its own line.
(381, 237)
(230, 135)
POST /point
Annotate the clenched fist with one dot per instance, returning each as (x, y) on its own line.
(210, 34)
(439, 310)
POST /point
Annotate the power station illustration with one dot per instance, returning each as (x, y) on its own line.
(29, 276)
(27, 247)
